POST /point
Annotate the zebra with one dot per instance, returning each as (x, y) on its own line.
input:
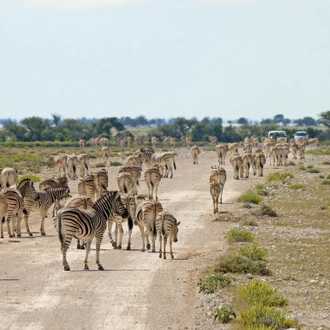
(87, 224)
(195, 151)
(8, 177)
(221, 151)
(83, 162)
(145, 218)
(152, 178)
(133, 170)
(126, 183)
(15, 200)
(215, 193)
(188, 142)
(154, 141)
(3, 211)
(236, 162)
(46, 199)
(72, 161)
(101, 180)
(166, 228)
(82, 144)
(247, 163)
(259, 163)
(105, 152)
(165, 159)
(81, 202)
(129, 202)
(218, 175)
(104, 142)
(87, 187)
(213, 139)
(60, 162)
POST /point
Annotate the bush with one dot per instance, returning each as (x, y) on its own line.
(267, 210)
(253, 252)
(224, 314)
(213, 283)
(239, 236)
(250, 197)
(277, 176)
(296, 186)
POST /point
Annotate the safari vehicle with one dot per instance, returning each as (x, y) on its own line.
(300, 135)
(277, 134)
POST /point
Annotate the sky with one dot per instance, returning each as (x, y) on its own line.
(164, 58)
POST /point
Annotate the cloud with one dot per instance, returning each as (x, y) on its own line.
(75, 4)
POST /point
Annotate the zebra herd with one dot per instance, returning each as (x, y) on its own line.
(87, 214)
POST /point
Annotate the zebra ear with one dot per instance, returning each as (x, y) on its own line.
(178, 223)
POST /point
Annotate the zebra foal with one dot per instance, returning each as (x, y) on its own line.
(167, 228)
(87, 224)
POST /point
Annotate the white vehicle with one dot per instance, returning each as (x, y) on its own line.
(300, 135)
(277, 134)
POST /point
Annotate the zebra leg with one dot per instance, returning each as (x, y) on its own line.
(153, 238)
(64, 250)
(98, 246)
(147, 239)
(1, 224)
(142, 237)
(43, 214)
(121, 233)
(164, 252)
(171, 251)
(130, 228)
(160, 245)
(88, 249)
(113, 243)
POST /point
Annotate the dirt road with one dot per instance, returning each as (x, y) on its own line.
(137, 290)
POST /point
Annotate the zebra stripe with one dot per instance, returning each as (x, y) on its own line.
(146, 214)
(130, 205)
(167, 228)
(58, 161)
(126, 183)
(46, 199)
(15, 199)
(195, 151)
(87, 224)
(87, 187)
(152, 178)
(72, 162)
(3, 211)
(101, 180)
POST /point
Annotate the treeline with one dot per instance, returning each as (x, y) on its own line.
(33, 129)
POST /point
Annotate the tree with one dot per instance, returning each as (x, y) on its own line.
(309, 121)
(56, 118)
(325, 118)
(242, 121)
(13, 129)
(35, 126)
(279, 119)
(183, 124)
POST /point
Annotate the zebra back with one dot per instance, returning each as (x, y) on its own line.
(167, 225)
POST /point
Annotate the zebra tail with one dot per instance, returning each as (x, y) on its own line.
(59, 228)
(174, 163)
(130, 223)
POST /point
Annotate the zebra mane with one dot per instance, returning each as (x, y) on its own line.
(24, 182)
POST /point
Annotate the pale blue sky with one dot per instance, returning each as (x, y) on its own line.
(164, 58)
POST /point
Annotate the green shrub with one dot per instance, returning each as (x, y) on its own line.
(277, 176)
(267, 210)
(250, 197)
(326, 182)
(296, 186)
(257, 292)
(214, 282)
(29, 176)
(253, 252)
(224, 314)
(239, 236)
(313, 170)
(115, 164)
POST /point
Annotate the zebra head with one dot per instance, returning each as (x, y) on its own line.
(175, 230)
(27, 189)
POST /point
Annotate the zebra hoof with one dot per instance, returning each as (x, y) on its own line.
(114, 245)
(128, 247)
(67, 268)
(30, 234)
(100, 267)
(148, 246)
(42, 234)
(86, 267)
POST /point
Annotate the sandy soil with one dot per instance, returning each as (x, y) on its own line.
(137, 290)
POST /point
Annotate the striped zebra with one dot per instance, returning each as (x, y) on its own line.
(236, 162)
(72, 161)
(87, 187)
(221, 151)
(259, 163)
(8, 177)
(154, 141)
(82, 144)
(166, 228)
(3, 211)
(46, 199)
(60, 162)
(218, 175)
(213, 139)
(87, 224)
(130, 205)
(133, 170)
(101, 180)
(105, 152)
(15, 200)
(152, 178)
(126, 183)
(82, 202)
(195, 152)
(165, 159)
(83, 163)
(215, 194)
(188, 142)
(247, 164)
(146, 214)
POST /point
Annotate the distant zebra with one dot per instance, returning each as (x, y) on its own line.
(152, 178)
(130, 205)
(195, 152)
(126, 183)
(60, 162)
(173, 141)
(236, 162)
(146, 214)
(259, 163)
(314, 141)
(154, 141)
(72, 161)
(105, 152)
(101, 180)
(46, 199)
(82, 144)
(83, 163)
(3, 211)
(133, 170)
(247, 163)
(167, 228)
(213, 139)
(15, 201)
(221, 151)
(87, 187)
(215, 194)
(218, 175)
(87, 224)
(8, 177)
(188, 142)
